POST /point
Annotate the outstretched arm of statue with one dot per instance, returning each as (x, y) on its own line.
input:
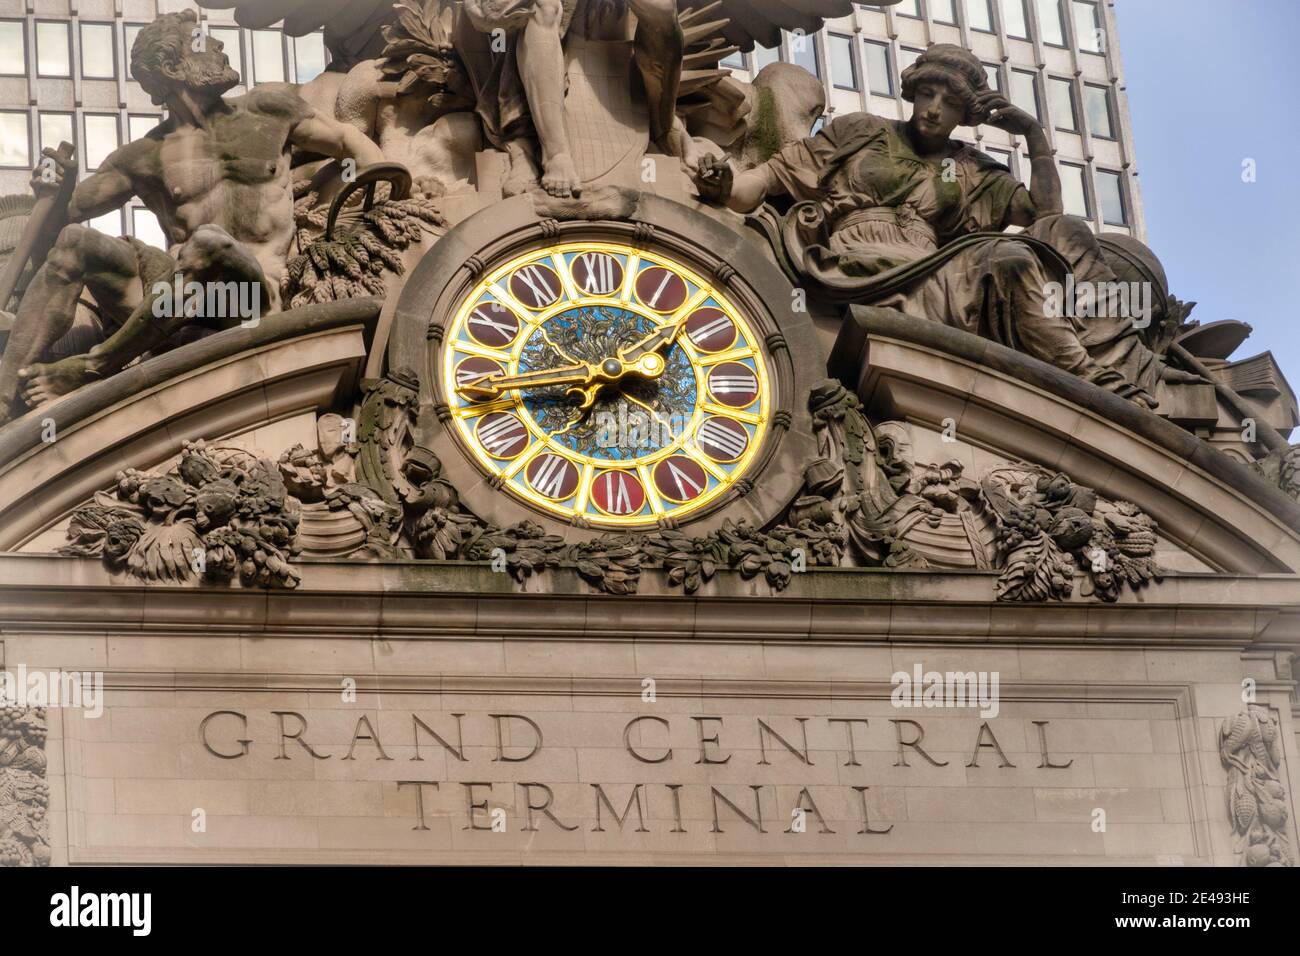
(323, 134)
(105, 191)
(1044, 180)
(739, 192)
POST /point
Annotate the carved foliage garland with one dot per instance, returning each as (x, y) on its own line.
(24, 791)
(1250, 748)
(217, 514)
(866, 503)
(1047, 525)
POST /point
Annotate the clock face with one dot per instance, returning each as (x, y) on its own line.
(600, 382)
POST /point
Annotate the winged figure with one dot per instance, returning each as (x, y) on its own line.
(513, 53)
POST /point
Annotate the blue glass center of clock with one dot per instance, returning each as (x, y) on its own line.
(632, 419)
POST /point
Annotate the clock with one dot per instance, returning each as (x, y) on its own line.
(600, 382)
(610, 376)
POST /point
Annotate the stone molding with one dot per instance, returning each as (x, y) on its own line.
(434, 600)
(228, 383)
(925, 372)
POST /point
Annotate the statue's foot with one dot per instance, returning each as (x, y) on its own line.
(518, 183)
(524, 176)
(40, 384)
(561, 177)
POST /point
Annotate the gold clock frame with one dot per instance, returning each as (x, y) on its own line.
(497, 285)
(734, 262)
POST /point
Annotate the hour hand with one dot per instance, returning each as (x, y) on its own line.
(495, 385)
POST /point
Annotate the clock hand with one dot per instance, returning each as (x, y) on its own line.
(585, 380)
(494, 384)
(642, 358)
(656, 342)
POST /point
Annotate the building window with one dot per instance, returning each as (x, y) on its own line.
(102, 138)
(942, 11)
(146, 228)
(268, 57)
(979, 16)
(1110, 196)
(819, 124)
(1073, 193)
(839, 53)
(908, 8)
(1060, 99)
(765, 56)
(132, 34)
(994, 76)
(880, 79)
(1049, 22)
(309, 57)
(13, 48)
(1097, 102)
(735, 61)
(110, 224)
(231, 40)
(1003, 156)
(1013, 19)
(15, 141)
(98, 52)
(57, 129)
(1024, 93)
(139, 126)
(906, 58)
(803, 52)
(1088, 31)
(53, 49)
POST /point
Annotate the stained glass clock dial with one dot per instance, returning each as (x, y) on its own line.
(605, 383)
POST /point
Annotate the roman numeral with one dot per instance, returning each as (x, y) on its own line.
(598, 273)
(731, 444)
(538, 282)
(550, 475)
(681, 479)
(705, 332)
(467, 376)
(503, 437)
(506, 328)
(653, 301)
(733, 384)
(618, 500)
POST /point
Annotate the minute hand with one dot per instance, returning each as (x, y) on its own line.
(656, 341)
(494, 385)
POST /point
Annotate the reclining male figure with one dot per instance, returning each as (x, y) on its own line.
(217, 176)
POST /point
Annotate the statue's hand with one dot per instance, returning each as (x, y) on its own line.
(51, 172)
(1001, 114)
(714, 179)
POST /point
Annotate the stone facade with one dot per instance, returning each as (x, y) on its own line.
(361, 580)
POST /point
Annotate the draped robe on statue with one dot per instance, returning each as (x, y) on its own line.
(925, 237)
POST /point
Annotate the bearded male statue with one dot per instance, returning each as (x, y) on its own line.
(216, 173)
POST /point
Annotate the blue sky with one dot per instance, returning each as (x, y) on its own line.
(1211, 83)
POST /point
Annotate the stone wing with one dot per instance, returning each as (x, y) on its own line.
(760, 22)
(353, 28)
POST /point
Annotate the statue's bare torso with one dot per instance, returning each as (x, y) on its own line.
(233, 173)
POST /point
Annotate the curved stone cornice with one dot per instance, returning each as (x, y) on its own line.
(1022, 408)
(221, 385)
